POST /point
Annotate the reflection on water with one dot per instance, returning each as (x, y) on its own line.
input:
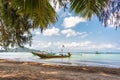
(109, 60)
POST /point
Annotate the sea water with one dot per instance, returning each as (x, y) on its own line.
(111, 59)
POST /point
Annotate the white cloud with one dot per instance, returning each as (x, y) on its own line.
(51, 32)
(118, 48)
(82, 34)
(65, 14)
(73, 44)
(57, 45)
(37, 32)
(72, 21)
(40, 45)
(103, 46)
(70, 32)
(47, 45)
(77, 44)
(57, 6)
(86, 46)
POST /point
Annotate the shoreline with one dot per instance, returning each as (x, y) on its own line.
(15, 70)
(63, 63)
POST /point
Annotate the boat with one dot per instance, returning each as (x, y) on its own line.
(41, 55)
(97, 52)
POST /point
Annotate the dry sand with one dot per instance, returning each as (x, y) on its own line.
(13, 70)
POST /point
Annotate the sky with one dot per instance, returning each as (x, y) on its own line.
(76, 34)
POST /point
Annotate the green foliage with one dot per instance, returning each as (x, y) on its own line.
(13, 27)
(87, 8)
(40, 11)
(17, 17)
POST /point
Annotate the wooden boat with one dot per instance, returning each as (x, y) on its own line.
(41, 55)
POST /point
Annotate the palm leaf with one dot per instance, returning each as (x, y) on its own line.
(87, 8)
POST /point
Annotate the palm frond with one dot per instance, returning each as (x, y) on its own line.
(87, 8)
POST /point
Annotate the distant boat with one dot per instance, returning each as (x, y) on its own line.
(41, 55)
(97, 52)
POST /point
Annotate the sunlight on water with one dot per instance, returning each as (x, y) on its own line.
(107, 60)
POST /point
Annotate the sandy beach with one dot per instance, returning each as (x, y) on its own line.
(14, 70)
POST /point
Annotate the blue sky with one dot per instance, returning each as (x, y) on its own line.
(76, 34)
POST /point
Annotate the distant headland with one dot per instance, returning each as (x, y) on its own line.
(19, 49)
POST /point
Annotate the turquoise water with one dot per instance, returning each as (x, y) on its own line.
(87, 59)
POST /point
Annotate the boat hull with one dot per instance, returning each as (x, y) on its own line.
(49, 56)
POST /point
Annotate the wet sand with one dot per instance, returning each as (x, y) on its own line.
(14, 70)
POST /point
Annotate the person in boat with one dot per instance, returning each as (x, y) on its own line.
(69, 54)
(61, 54)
